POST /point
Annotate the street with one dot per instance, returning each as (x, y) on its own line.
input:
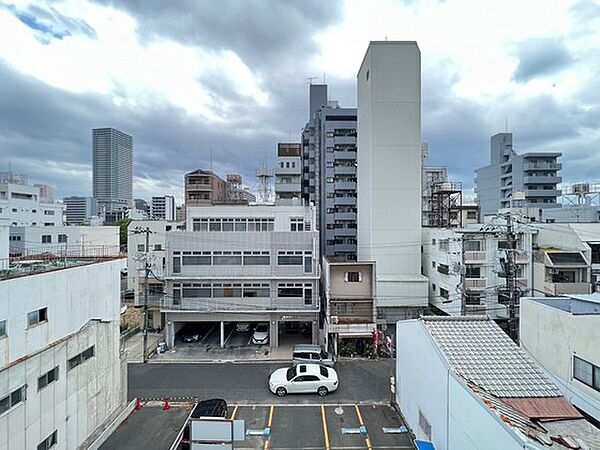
(361, 381)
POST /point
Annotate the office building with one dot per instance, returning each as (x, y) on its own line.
(112, 169)
(389, 175)
(462, 383)
(79, 210)
(288, 173)
(329, 172)
(46, 192)
(562, 335)
(239, 263)
(534, 176)
(63, 378)
(163, 208)
(21, 203)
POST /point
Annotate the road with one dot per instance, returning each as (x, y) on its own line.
(361, 381)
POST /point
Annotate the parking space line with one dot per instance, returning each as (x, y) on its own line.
(228, 336)
(362, 423)
(234, 413)
(267, 442)
(325, 430)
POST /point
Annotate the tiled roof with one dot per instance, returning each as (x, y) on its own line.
(483, 354)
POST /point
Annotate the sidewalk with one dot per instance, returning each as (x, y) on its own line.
(133, 345)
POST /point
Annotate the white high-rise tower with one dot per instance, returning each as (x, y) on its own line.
(389, 175)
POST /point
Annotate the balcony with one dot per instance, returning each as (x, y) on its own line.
(287, 187)
(345, 155)
(344, 170)
(542, 180)
(475, 283)
(543, 192)
(567, 288)
(344, 201)
(344, 248)
(542, 166)
(475, 256)
(344, 232)
(344, 185)
(345, 216)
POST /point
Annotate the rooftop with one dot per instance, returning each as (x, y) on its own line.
(580, 305)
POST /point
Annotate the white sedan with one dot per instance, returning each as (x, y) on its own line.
(303, 378)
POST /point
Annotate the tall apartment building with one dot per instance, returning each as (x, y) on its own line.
(62, 376)
(78, 210)
(21, 204)
(535, 175)
(239, 263)
(389, 175)
(288, 173)
(329, 172)
(112, 169)
(163, 208)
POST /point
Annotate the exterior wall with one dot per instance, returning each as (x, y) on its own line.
(112, 169)
(458, 419)
(82, 310)
(163, 208)
(78, 210)
(4, 235)
(553, 336)
(81, 241)
(21, 205)
(389, 171)
(211, 193)
(288, 173)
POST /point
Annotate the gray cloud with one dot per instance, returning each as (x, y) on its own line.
(540, 57)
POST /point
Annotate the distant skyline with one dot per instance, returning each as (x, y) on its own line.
(226, 81)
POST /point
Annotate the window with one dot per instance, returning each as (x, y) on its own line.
(473, 272)
(444, 244)
(308, 296)
(35, 317)
(473, 246)
(444, 293)
(176, 296)
(257, 259)
(2, 328)
(48, 212)
(49, 442)
(257, 290)
(157, 247)
(324, 371)
(46, 239)
(308, 264)
(473, 298)
(49, 377)
(289, 292)
(296, 224)
(227, 258)
(227, 290)
(289, 258)
(353, 277)
(424, 425)
(62, 238)
(197, 260)
(176, 264)
(13, 399)
(81, 357)
(197, 292)
(586, 372)
(472, 215)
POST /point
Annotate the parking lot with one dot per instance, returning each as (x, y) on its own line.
(328, 427)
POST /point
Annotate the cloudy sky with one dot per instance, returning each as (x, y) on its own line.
(224, 81)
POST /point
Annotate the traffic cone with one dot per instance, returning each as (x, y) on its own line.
(167, 405)
(138, 404)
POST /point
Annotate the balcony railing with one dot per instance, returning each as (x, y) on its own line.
(477, 283)
(475, 256)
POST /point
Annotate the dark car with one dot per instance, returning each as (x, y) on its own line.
(215, 407)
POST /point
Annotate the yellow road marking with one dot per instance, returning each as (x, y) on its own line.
(234, 413)
(325, 431)
(360, 419)
(269, 425)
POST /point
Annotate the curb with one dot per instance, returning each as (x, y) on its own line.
(216, 361)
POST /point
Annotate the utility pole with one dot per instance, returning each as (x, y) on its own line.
(511, 278)
(146, 231)
(463, 274)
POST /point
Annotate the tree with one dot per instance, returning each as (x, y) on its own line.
(123, 224)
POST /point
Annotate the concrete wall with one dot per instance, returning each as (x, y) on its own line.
(553, 336)
(28, 211)
(340, 288)
(389, 170)
(4, 234)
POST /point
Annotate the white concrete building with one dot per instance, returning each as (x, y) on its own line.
(237, 263)
(163, 208)
(65, 240)
(79, 210)
(4, 236)
(462, 384)
(349, 302)
(288, 172)
(563, 336)
(463, 266)
(62, 378)
(22, 205)
(389, 175)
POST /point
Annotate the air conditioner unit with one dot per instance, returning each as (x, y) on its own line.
(334, 319)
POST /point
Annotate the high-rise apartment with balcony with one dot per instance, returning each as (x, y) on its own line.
(329, 172)
(78, 210)
(535, 175)
(113, 169)
(288, 173)
(163, 208)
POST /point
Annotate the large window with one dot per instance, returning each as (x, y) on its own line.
(227, 290)
(197, 260)
(473, 246)
(46, 239)
(38, 316)
(257, 290)
(257, 259)
(289, 258)
(227, 258)
(226, 224)
(472, 271)
(13, 399)
(2, 328)
(586, 372)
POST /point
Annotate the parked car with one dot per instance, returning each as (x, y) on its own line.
(303, 378)
(261, 334)
(192, 336)
(307, 353)
(242, 326)
(216, 407)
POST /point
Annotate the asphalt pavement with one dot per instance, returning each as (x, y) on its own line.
(361, 381)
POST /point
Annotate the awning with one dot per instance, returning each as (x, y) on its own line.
(422, 445)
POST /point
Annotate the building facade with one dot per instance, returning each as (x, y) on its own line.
(21, 204)
(244, 264)
(205, 188)
(79, 210)
(562, 335)
(349, 303)
(288, 173)
(533, 175)
(389, 175)
(329, 155)
(163, 208)
(62, 375)
(112, 169)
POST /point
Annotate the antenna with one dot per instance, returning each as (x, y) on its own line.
(310, 80)
(264, 175)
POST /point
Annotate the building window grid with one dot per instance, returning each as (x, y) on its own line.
(227, 224)
(49, 377)
(586, 372)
